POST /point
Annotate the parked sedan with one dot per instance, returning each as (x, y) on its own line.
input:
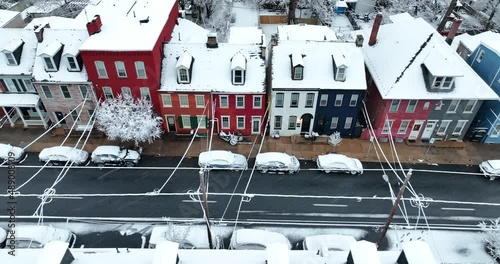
(33, 236)
(222, 159)
(60, 155)
(490, 168)
(339, 162)
(255, 239)
(115, 156)
(277, 162)
(18, 154)
(330, 242)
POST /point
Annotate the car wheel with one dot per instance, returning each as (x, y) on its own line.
(291, 172)
(50, 163)
(100, 165)
(327, 171)
(353, 173)
(129, 164)
(263, 170)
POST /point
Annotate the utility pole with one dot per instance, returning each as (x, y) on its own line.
(205, 205)
(394, 208)
(446, 16)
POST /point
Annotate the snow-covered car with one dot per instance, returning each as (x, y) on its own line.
(255, 239)
(490, 168)
(330, 242)
(339, 162)
(34, 236)
(277, 162)
(60, 155)
(190, 238)
(18, 154)
(222, 159)
(3, 237)
(115, 156)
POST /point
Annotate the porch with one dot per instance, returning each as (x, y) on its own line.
(24, 109)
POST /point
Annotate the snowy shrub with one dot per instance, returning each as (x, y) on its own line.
(492, 237)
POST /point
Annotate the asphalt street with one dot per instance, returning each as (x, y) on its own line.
(308, 197)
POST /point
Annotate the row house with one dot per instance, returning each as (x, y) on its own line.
(213, 83)
(316, 86)
(419, 88)
(61, 79)
(124, 51)
(19, 100)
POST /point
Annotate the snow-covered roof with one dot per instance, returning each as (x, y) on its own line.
(417, 252)
(115, 150)
(238, 61)
(331, 242)
(493, 44)
(13, 45)
(277, 253)
(207, 156)
(273, 156)
(364, 252)
(246, 35)
(51, 49)
(243, 237)
(471, 42)
(25, 66)
(53, 252)
(12, 99)
(42, 234)
(57, 23)
(439, 56)
(187, 31)
(318, 65)
(341, 3)
(122, 29)
(305, 32)
(184, 60)
(402, 17)
(211, 70)
(6, 16)
(53, 38)
(395, 63)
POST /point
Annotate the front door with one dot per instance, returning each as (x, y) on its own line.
(415, 131)
(429, 128)
(306, 123)
(255, 124)
(171, 123)
(320, 125)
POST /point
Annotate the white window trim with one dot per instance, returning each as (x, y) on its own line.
(341, 96)
(291, 100)
(345, 123)
(260, 124)
(441, 86)
(129, 91)
(137, 70)
(281, 123)
(325, 96)
(228, 122)
(400, 130)
(260, 102)
(164, 101)
(45, 92)
(456, 106)
(220, 101)
(143, 94)
(336, 118)
(107, 88)
(447, 122)
(312, 100)
(237, 123)
(103, 68)
(77, 67)
(196, 96)
(62, 92)
(340, 76)
(472, 109)
(118, 66)
(81, 93)
(186, 124)
(179, 75)
(414, 108)
(397, 107)
(298, 73)
(390, 123)
(282, 100)
(461, 129)
(242, 77)
(480, 56)
(180, 100)
(355, 101)
(201, 118)
(243, 97)
(294, 123)
(47, 68)
(12, 57)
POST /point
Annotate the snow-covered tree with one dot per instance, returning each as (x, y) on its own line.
(320, 8)
(127, 119)
(492, 237)
(335, 139)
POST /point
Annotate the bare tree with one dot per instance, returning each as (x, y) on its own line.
(492, 237)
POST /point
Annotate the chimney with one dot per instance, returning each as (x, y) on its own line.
(453, 30)
(376, 26)
(90, 28)
(212, 40)
(359, 40)
(39, 32)
(97, 23)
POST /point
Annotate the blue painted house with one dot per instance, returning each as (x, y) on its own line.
(485, 61)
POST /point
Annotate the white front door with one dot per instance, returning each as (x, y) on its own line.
(255, 124)
(429, 128)
(415, 130)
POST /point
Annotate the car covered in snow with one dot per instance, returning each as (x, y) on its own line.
(256, 239)
(490, 168)
(3, 237)
(276, 162)
(191, 238)
(60, 155)
(35, 236)
(222, 159)
(339, 162)
(115, 156)
(17, 154)
(332, 242)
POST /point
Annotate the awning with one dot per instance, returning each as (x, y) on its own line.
(19, 100)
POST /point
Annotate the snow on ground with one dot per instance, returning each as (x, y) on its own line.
(340, 24)
(246, 14)
(365, 6)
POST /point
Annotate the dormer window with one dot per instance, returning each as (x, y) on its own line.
(298, 73)
(442, 83)
(297, 61)
(11, 60)
(340, 76)
(72, 59)
(238, 68)
(184, 68)
(12, 52)
(51, 56)
(339, 66)
(72, 64)
(49, 64)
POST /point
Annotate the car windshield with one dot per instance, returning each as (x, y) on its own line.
(27, 243)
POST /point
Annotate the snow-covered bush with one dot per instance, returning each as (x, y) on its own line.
(128, 119)
(492, 237)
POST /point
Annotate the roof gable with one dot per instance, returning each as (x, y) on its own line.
(12, 37)
(238, 62)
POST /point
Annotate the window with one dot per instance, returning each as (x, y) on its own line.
(403, 126)
(257, 101)
(335, 122)
(297, 73)
(126, 92)
(240, 101)
(338, 99)
(340, 74)
(238, 77)
(167, 100)
(387, 126)
(47, 92)
(470, 106)
(354, 100)
(91, 114)
(294, 102)
(200, 101)
(426, 105)
(84, 90)
(72, 64)
(186, 121)
(202, 121)
(240, 122)
(140, 70)
(11, 60)
(292, 122)
(120, 69)
(348, 123)
(280, 99)
(323, 101)
(183, 76)
(442, 83)
(277, 122)
(183, 100)
(145, 94)
(453, 106)
(496, 131)
(459, 128)
(29, 85)
(101, 69)
(108, 92)
(224, 101)
(225, 122)
(49, 64)
(65, 91)
(309, 99)
(394, 106)
(443, 127)
(74, 115)
(447, 82)
(412, 104)
(480, 56)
